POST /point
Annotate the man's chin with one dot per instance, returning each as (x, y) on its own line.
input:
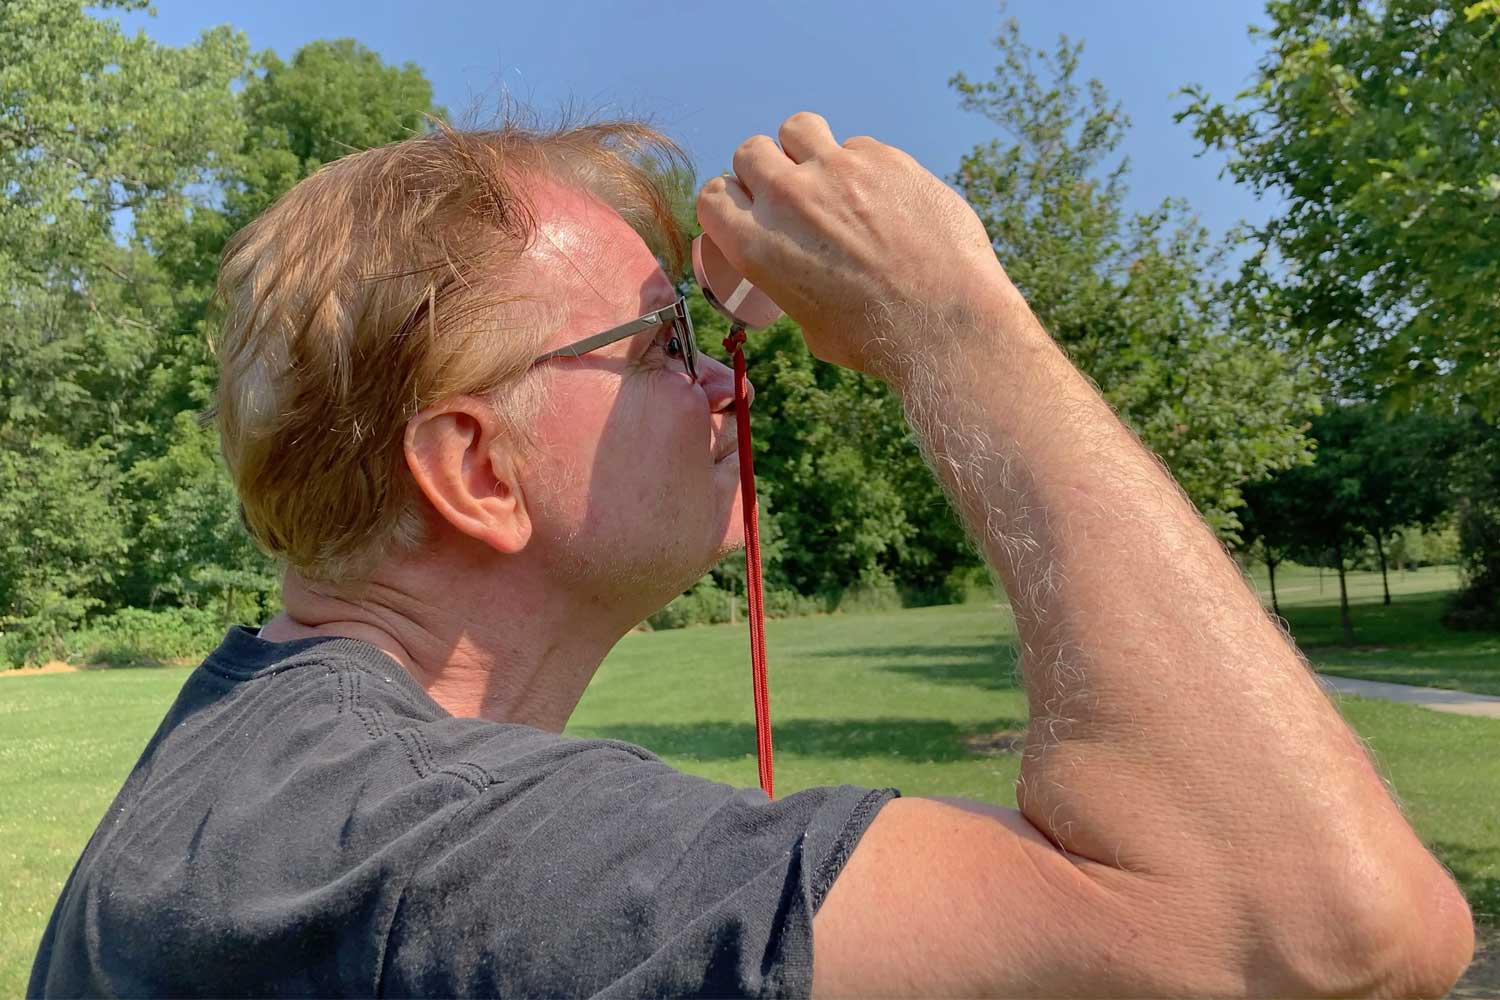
(733, 541)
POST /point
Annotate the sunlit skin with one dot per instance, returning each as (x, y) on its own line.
(541, 560)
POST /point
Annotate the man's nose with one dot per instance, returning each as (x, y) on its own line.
(717, 380)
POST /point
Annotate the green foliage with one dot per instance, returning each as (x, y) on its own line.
(705, 604)
(129, 163)
(1478, 522)
(92, 122)
(710, 604)
(135, 636)
(64, 537)
(125, 165)
(1127, 296)
(846, 499)
(334, 98)
(125, 638)
(1375, 475)
(189, 543)
(1378, 126)
(1414, 547)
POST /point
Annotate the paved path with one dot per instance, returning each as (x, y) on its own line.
(1459, 702)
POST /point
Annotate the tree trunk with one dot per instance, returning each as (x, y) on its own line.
(1345, 622)
(1385, 584)
(1271, 569)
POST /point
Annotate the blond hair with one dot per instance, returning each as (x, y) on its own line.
(376, 287)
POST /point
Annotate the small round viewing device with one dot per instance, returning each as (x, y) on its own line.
(729, 291)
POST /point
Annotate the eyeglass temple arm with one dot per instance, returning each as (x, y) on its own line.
(598, 340)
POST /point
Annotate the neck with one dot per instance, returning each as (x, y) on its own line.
(494, 645)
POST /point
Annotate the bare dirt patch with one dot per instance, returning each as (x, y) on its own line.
(996, 744)
(50, 667)
(60, 667)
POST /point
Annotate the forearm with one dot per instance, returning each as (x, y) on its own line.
(1174, 729)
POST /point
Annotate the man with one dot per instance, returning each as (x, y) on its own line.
(370, 796)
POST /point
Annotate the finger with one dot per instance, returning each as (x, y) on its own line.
(724, 211)
(806, 136)
(757, 161)
(861, 142)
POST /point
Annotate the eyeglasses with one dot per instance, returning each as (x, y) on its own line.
(682, 340)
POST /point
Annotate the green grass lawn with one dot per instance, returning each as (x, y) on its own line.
(879, 699)
(1403, 643)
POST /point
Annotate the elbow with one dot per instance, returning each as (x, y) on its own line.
(1432, 941)
(1413, 943)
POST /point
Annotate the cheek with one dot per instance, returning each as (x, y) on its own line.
(612, 460)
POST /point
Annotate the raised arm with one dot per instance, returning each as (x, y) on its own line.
(1195, 817)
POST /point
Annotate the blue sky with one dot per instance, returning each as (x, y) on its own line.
(713, 75)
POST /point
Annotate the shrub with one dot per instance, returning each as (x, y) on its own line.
(705, 604)
(133, 636)
(866, 597)
(788, 604)
(708, 604)
(1477, 605)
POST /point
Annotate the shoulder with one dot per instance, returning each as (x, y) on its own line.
(588, 865)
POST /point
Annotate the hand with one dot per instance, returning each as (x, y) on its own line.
(858, 243)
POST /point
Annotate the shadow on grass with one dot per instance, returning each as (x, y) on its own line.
(1410, 620)
(921, 741)
(990, 666)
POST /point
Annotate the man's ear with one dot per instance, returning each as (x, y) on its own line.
(464, 463)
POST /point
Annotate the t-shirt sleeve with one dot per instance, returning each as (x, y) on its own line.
(598, 872)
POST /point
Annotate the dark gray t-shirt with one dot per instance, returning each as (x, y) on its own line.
(307, 821)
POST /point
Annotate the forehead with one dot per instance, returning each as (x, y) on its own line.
(590, 258)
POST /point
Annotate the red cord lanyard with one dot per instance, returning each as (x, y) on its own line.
(754, 591)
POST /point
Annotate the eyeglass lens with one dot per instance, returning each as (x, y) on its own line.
(684, 324)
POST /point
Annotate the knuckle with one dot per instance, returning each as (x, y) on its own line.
(802, 119)
(749, 146)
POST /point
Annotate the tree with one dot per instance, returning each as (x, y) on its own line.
(1374, 474)
(1126, 295)
(64, 540)
(1476, 473)
(126, 164)
(335, 97)
(846, 493)
(1271, 525)
(187, 538)
(93, 123)
(1407, 482)
(1376, 127)
(1379, 124)
(96, 130)
(330, 99)
(1324, 507)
